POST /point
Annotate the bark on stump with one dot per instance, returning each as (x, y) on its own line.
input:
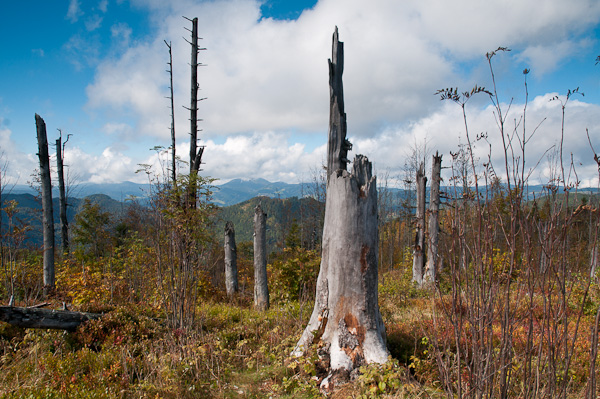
(47, 218)
(346, 322)
(419, 249)
(261, 289)
(231, 270)
(433, 229)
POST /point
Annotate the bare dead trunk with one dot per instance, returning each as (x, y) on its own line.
(47, 218)
(62, 199)
(433, 264)
(419, 249)
(44, 318)
(346, 322)
(173, 155)
(195, 152)
(231, 271)
(261, 289)
(194, 98)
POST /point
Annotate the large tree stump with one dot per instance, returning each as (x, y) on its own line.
(345, 322)
(433, 229)
(231, 270)
(419, 248)
(261, 289)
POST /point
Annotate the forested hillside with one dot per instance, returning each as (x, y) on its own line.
(303, 215)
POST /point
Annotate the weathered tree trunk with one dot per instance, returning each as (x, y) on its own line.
(62, 199)
(194, 98)
(433, 230)
(231, 270)
(173, 155)
(346, 321)
(419, 249)
(47, 218)
(594, 258)
(195, 152)
(44, 318)
(261, 289)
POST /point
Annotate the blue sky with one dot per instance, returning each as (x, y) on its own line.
(96, 69)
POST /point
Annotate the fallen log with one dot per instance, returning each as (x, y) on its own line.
(45, 318)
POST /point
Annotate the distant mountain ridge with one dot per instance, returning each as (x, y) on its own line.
(233, 192)
(230, 193)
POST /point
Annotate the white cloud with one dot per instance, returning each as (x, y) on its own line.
(81, 51)
(15, 165)
(103, 5)
(264, 77)
(108, 167)
(121, 33)
(74, 11)
(445, 129)
(93, 23)
(546, 58)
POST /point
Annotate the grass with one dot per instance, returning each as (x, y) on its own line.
(232, 352)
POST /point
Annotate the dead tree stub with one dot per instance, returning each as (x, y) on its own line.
(419, 249)
(346, 321)
(261, 289)
(433, 229)
(231, 271)
(62, 199)
(47, 218)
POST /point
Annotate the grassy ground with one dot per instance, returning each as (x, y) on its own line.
(232, 352)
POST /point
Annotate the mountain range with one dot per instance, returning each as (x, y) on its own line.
(230, 193)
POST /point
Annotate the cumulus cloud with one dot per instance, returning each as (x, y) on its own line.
(109, 167)
(15, 166)
(445, 129)
(545, 58)
(266, 78)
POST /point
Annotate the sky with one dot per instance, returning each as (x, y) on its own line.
(96, 69)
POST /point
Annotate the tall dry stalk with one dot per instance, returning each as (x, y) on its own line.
(515, 300)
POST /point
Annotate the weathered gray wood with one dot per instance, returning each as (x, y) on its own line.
(195, 152)
(594, 260)
(346, 321)
(261, 288)
(231, 270)
(44, 318)
(337, 146)
(47, 218)
(172, 98)
(433, 229)
(194, 98)
(62, 198)
(419, 249)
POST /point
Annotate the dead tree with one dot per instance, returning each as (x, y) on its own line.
(173, 155)
(45, 318)
(231, 271)
(346, 322)
(261, 289)
(47, 214)
(433, 229)
(419, 249)
(195, 152)
(62, 199)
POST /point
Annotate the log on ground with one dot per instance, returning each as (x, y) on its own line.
(45, 318)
